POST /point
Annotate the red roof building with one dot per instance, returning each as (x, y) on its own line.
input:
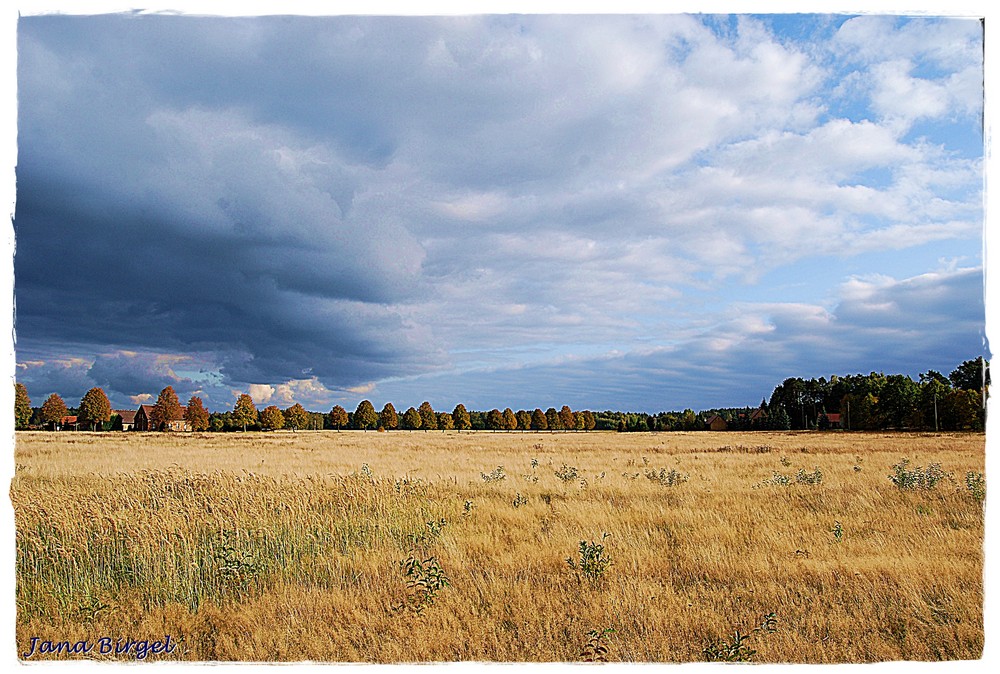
(126, 419)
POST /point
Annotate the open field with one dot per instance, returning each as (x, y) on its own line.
(287, 546)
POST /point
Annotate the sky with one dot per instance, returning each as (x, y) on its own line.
(636, 211)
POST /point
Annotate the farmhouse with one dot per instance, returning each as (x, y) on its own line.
(144, 415)
(67, 423)
(125, 420)
(715, 423)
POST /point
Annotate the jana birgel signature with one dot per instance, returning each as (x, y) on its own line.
(138, 649)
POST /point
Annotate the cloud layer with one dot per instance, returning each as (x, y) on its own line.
(585, 208)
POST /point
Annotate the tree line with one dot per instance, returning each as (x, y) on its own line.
(426, 418)
(878, 401)
(875, 401)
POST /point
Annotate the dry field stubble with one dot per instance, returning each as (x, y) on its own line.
(282, 546)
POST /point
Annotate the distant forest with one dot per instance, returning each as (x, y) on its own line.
(875, 401)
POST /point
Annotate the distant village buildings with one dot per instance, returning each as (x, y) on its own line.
(67, 423)
(129, 420)
(750, 420)
(125, 421)
(716, 423)
(144, 415)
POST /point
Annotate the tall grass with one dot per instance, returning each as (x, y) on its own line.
(295, 546)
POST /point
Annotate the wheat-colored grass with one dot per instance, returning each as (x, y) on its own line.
(286, 546)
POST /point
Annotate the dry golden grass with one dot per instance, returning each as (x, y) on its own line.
(282, 546)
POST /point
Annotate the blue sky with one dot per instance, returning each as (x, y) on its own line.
(641, 211)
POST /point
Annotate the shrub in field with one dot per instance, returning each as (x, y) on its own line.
(593, 562)
(497, 475)
(976, 485)
(424, 580)
(567, 473)
(735, 648)
(520, 500)
(668, 478)
(235, 563)
(596, 648)
(917, 478)
(778, 479)
(837, 531)
(815, 477)
(801, 477)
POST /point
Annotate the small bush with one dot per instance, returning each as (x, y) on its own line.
(497, 475)
(668, 478)
(778, 479)
(917, 478)
(801, 477)
(567, 473)
(424, 579)
(815, 477)
(596, 648)
(735, 648)
(976, 485)
(593, 562)
(236, 565)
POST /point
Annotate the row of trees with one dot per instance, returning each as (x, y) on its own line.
(864, 402)
(641, 422)
(95, 413)
(94, 410)
(425, 418)
(875, 401)
(271, 418)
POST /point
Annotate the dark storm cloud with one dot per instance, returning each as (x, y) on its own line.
(152, 224)
(127, 375)
(68, 378)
